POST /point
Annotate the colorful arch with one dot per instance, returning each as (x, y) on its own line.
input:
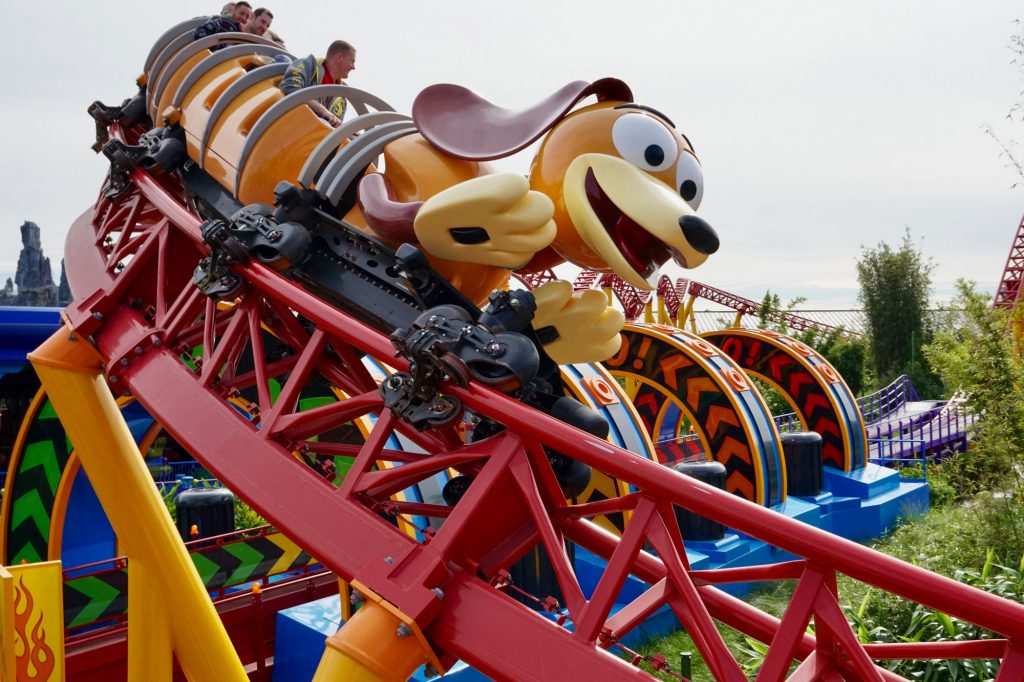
(816, 391)
(40, 478)
(671, 372)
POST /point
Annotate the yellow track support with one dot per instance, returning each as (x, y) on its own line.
(169, 610)
(648, 313)
(686, 315)
(378, 644)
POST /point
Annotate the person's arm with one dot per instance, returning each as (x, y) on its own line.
(294, 78)
(321, 111)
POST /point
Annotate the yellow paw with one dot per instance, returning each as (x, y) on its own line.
(492, 220)
(588, 328)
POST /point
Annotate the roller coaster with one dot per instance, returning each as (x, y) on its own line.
(243, 254)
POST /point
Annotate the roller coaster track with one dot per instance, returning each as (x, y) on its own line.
(130, 263)
(1009, 284)
(633, 300)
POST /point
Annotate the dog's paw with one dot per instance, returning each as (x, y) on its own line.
(491, 220)
(587, 327)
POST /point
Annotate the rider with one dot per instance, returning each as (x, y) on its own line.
(222, 24)
(332, 69)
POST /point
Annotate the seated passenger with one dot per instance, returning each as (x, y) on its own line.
(227, 10)
(259, 22)
(222, 24)
(334, 68)
(275, 37)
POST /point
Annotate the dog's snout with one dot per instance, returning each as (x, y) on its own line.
(702, 237)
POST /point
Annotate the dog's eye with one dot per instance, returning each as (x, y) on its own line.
(644, 142)
(690, 179)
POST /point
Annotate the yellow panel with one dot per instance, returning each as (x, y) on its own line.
(219, 170)
(192, 146)
(175, 80)
(230, 131)
(200, 98)
(280, 153)
(33, 611)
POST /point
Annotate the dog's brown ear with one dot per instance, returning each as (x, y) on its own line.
(465, 125)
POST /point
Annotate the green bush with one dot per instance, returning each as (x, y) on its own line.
(246, 517)
(878, 625)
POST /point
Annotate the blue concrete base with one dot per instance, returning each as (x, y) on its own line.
(868, 502)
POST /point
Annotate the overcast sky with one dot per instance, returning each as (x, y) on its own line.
(821, 127)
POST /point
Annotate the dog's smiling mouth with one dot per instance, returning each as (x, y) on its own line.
(644, 252)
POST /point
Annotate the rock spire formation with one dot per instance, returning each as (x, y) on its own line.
(33, 282)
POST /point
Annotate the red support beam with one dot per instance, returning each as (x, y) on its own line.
(1008, 292)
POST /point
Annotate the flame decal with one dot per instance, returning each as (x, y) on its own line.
(35, 660)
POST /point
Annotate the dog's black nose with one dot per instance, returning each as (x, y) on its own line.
(701, 236)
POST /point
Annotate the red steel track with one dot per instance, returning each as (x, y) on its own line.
(633, 300)
(1009, 284)
(130, 263)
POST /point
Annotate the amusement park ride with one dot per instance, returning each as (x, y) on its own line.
(243, 255)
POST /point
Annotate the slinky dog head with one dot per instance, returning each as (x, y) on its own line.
(625, 183)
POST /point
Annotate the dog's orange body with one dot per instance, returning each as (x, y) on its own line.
(613, 187)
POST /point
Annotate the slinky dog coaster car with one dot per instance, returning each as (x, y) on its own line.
(613, 187)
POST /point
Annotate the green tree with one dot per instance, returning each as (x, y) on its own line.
(894, 289)
(845, 353)
(977, 356)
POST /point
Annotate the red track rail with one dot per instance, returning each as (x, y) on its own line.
(633, 300)
(135, 298)
(1009, 284)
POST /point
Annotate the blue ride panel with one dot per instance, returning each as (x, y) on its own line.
(22, 330)
(87, 535)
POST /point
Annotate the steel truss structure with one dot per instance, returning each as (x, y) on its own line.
(130, 262)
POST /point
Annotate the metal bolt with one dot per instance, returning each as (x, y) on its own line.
(514, 303)
(124, 362)
(438, 592)
(403, 630)
(112, 378)
(494, 349)
(97, 316)
(138, 350)
(389, 560)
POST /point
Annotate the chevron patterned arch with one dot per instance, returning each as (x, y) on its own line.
(668, 371)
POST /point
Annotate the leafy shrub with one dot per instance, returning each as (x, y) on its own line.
(246, 517)
(875, 625)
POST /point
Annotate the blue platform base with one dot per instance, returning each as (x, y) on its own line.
(868, 502)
